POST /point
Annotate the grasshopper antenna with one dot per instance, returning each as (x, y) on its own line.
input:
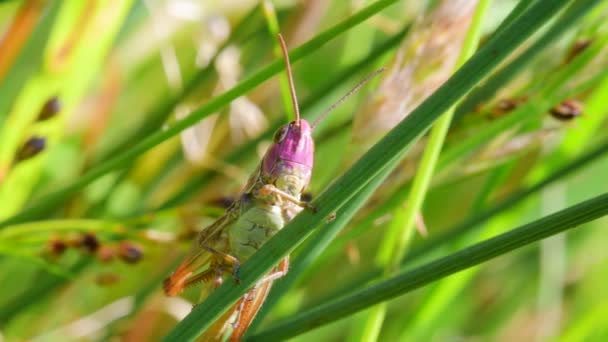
(292, 88)
(346, 96)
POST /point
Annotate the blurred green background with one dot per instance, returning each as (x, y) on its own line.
(92, 222)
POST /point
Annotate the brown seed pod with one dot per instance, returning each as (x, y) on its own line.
(567, 110)
(130, 252)
(506, 106)
(56, 247)
(30, 148)
(187, 235)
(50, 108)
(89, 242)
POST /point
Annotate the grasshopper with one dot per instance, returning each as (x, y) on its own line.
(269, 200)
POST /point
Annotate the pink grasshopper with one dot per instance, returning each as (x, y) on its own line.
(270, 199)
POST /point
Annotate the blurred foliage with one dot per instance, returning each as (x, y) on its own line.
(126, 126)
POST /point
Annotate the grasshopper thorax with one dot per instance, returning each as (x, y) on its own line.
(289, 160)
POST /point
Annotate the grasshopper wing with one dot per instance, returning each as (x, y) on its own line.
(199, 258)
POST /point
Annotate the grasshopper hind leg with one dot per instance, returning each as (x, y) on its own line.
(276, 273)
(249, 305)
(218, 264)
(229, 262)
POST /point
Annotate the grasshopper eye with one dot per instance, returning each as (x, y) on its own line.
(280, 135)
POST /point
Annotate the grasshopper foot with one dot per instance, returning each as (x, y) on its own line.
(310, 207)
(235, 275)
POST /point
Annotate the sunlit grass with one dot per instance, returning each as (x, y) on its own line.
(103, 179)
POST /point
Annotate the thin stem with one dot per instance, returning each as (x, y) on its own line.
(402, 228)
(55, 226)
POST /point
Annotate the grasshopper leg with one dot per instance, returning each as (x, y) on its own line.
(228, 260)
(277, 273)
(262, 286)
(206, 276)
(269, 189)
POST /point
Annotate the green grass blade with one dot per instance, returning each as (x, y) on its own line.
(586, 325)
(66, 76)
(44, 286)
(29, 60)
(567, 20)
(392, 147)
(475, 221)
(401, 230)
(198, 182)
(548, 226)
(158, 116)
(321, 239)
(550, 93)
(521, 6)
(48, 202)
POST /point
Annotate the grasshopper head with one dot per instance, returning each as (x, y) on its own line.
(291, 156)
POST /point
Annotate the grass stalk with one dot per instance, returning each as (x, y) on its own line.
(30, 56)
(320, 240)
(403, 283)
(402, 228)
(392, 147)
(577, 10)
(55, 226)
(472, 223)
(310, 101)
(46, 203)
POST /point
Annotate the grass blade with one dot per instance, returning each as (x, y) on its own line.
(474, 223)
(392, 147)
(317, 244)
(28, 61)
(548, 226)
(483, 93)
(47, 203)
(198, 182)
(400, 232)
